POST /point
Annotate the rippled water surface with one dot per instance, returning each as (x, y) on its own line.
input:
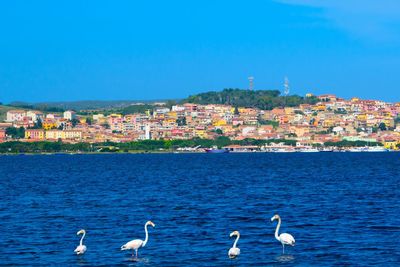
(342, 208)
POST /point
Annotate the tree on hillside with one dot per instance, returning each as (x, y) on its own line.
(262, 99)
(74, 122)
(382, 126)
(16, 133)
(106, 125)
(236, 112)
(181, 121)
(222, 141)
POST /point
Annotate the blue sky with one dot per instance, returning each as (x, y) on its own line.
(110, 50)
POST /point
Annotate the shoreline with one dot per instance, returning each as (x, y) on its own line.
(184, 152)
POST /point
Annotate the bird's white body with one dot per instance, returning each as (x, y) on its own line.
(138, 243)
(81, 248)
(134, 244)
(234, 251)
(284, 238)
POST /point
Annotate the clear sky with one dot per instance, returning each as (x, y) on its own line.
(114, 50)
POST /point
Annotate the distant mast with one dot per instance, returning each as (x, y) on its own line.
(286, 86)
(251, 83)
(286, 89)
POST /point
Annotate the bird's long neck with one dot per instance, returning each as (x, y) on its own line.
(83, 236)
(237, 239)
(277, 229)
(147, 236)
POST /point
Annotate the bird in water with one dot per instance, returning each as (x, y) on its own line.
(234, 251)
(81, 248)
(137, 243)
(285, 238)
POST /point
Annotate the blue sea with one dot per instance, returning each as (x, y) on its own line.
(343, 209)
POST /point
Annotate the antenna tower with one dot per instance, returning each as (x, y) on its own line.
(251, 83)
(286, 86)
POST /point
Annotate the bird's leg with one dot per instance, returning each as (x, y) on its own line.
(136, 253)
(283, 249)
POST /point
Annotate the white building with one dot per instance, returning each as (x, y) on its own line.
(34, 115)
(69, 115)
(178, 108)
(147, 132)
(15, 115)
(97, 117)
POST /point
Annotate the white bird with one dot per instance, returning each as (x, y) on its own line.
(285, 238)
(234, 251)
(137, 243)
(81, 248)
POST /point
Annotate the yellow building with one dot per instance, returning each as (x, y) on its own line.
(72, 134)
(329, 123)
(55, 134)
(319, 108)
(200, 133)
(172, 115)
(48, 125)
(219, 123)
(34, 134)
(362, 117)
(391, 145)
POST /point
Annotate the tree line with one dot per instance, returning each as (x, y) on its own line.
(262, 99)
(142, 145)
(154, 145)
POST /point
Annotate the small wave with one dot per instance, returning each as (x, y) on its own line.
(388, 228)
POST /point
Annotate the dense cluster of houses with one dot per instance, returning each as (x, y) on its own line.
(331, 119)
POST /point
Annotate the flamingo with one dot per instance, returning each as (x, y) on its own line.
(234, 251)
(285, 238)
(81, 248)
(137, 243)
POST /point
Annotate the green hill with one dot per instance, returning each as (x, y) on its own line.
(3, 112)
(262, 99)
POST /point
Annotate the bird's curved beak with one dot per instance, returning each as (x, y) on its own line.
(231, 234)
(273, 218)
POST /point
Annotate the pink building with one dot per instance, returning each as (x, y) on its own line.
(2, 135)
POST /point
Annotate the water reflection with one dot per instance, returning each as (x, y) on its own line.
(285, 258)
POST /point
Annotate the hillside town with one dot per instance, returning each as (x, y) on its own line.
(331, 119)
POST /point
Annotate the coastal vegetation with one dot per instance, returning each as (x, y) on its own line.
(3, 111)
(345, 143)
(136, 146)
(155, 145)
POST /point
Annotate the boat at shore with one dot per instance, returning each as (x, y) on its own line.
(308, 150)
(368, 149)
(216, 150)
(282, 150)
(376, 149)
